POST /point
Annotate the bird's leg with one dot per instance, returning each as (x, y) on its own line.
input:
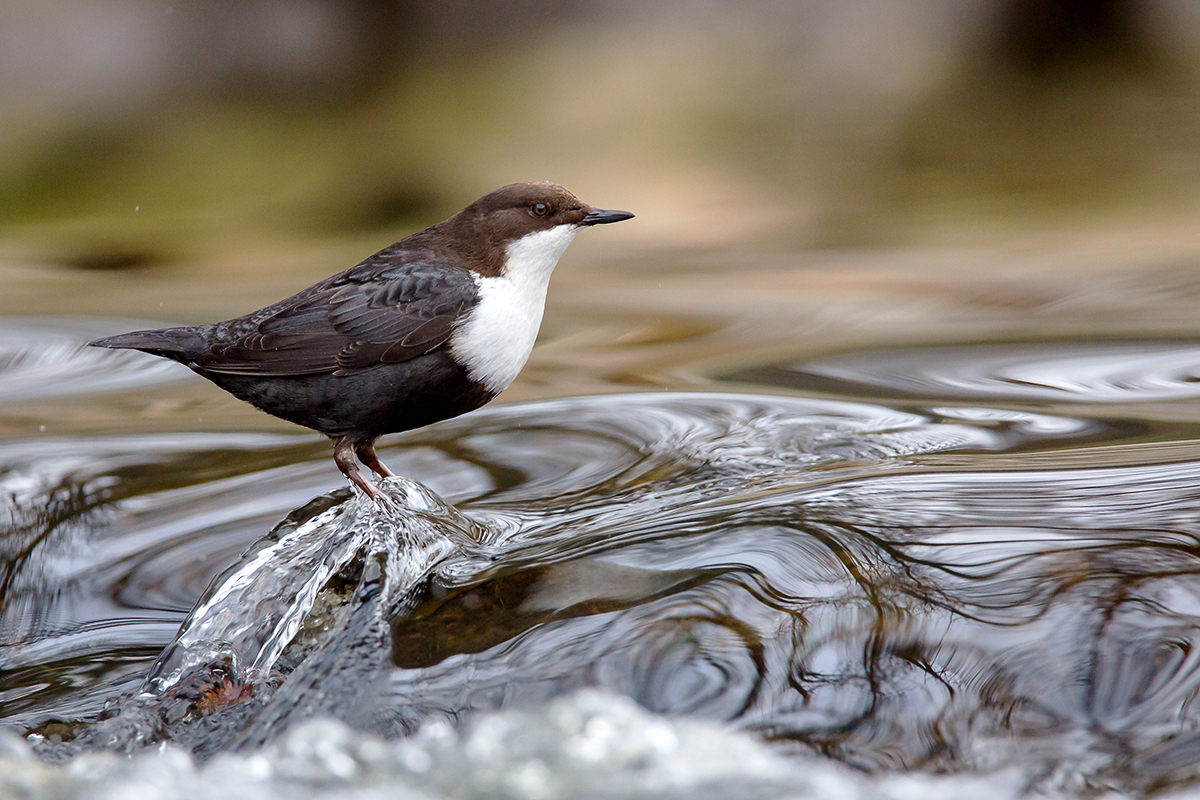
(366, 454)
(343, 456)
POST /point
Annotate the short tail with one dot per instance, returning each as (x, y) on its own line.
(169, 342)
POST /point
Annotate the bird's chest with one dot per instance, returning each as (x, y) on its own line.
(496, 337)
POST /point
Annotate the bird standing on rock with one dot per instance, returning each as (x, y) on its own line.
(432, 327)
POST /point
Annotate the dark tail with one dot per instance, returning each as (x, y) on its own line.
(172, 343)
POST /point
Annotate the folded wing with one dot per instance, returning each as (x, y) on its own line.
(359, 320)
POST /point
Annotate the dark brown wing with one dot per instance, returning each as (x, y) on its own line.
(351, 323)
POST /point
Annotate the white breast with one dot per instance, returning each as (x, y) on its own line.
(496, 337)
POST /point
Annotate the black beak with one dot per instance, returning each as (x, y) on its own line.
(600, 216)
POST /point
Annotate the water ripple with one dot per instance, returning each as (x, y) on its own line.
(895, 589)
(1091, 372)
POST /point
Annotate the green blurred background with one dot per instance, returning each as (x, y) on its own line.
(816, 171)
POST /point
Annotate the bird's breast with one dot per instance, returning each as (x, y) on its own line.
(494, 339)
(496, 336)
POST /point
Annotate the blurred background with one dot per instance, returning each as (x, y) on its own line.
(807, 174)
(978, 220)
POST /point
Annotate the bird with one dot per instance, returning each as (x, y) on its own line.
(432, 327)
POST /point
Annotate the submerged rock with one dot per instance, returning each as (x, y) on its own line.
(299, 627)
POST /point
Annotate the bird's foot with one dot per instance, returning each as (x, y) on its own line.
(343, 454)
(383, 502)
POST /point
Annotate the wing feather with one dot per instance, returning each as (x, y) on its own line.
(353, 322)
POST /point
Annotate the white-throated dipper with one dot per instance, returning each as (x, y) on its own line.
(432, 327)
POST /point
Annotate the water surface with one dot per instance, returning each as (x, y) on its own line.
(959, 559)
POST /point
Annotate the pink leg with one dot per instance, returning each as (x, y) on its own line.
(366, 454)
(343, 456)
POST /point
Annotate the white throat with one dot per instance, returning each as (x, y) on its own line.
(496, 337)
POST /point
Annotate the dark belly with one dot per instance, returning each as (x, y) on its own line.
(386, 399)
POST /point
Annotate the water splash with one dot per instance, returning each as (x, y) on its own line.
(298, 628)
(588, 745)
(944, 588)
(254, 610)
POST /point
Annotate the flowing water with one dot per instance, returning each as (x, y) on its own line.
(964, 570)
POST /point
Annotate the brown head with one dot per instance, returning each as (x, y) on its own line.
(481, 233)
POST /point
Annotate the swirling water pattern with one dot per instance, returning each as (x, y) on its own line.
(1003, 569)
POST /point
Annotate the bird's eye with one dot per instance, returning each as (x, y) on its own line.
(540, 209)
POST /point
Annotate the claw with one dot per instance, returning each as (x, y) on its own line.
(344, 450)
(387, 505)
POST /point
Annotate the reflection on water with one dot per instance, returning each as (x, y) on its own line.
(930, 586)
(1088, 372)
